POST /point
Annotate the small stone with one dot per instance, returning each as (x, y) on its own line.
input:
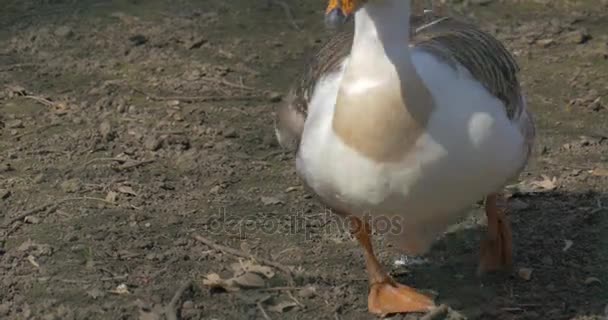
(32, 220)
(545, 43)
(525, 273)
(96, 293)
(275, 97)
(4, 194)
(152, 143)
(547, 260)
(70, 186)
(38, 178)
(138, 40)
(307, 292)
(230, 133)
(105, 130)
(64, 32)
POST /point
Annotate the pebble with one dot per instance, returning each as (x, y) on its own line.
(64, 32)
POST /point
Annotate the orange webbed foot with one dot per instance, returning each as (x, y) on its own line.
(388, 298)
(496, 250)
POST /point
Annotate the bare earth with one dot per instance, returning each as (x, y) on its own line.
(130, 128)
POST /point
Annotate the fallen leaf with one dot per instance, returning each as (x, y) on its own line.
(283, 306)
(214, 281)
(249, 266)
(600, 172)
(546, 183)
(32, 260)
(567, 245)
(112, 196)
(525, 273)
(126, 190)
(248, 280)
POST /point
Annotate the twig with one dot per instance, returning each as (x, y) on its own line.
(121, 160)
(134, 164)
(264, 314)
(295, 300)
(245, 255)
(434, 314)
(229, 84)
(50, 207)
(36, 130)
(41, 100)
(171, 308)
(287, 11)
(280, 289)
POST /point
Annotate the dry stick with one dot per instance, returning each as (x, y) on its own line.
(50, 206)
(134, 164)
(171, 308)
(434, 314)
(245, 255)
(105, 159)
(264, 314)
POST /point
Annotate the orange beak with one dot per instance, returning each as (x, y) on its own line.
(339, 11)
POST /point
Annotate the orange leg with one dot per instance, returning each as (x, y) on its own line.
(386, 296)
(496, 250)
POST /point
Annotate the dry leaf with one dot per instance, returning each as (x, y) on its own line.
(567, 245)
(112, 196)
(546, 183)
(244, 281)
(247, 280)
(121, 289)
(600, 172)
(214, 281)
(283, 306)
(525, 273)
(32, 260)
(249, 266)
(126, 190)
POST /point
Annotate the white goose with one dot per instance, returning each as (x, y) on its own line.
(410, 121)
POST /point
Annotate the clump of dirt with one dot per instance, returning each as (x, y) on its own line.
(140, 177)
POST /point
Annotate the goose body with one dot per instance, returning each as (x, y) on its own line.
(408, 127)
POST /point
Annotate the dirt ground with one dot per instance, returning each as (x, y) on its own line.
(136, 139)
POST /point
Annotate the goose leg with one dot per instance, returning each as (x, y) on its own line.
(386, 296)
(496, 251)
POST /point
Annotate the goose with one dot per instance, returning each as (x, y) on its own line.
(406, 123)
